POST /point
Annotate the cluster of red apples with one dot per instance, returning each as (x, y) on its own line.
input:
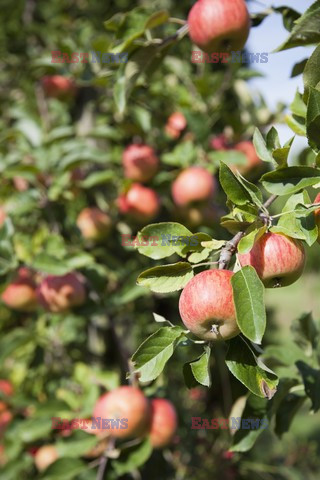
(142, 417)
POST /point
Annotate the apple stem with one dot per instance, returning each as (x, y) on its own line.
(176, 36)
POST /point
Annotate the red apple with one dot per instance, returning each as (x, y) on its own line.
(194, 184)
(128, 404)
(141, 203)
(140, 163)
(57, 86)
(163, 422)
(60, 293)
(219, 25)
(206, 306)
(20, 294)
(175, 125)
(45, 456)
(219, 142)
(94, 224)
(279, 260)
(6, 387)
(20, 184)
(317, 215)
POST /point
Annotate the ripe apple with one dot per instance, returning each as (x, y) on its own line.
(20, 184)
(45, 456)
(128, 403)
(94, 224)
(20, 294)
(58, 86)
(60, 293)
(140, 163)
(6, 388)
(206, 306)
(163, 422)
(194, 184)
(317, 215)
(218, 25)
(175, 125)
(279, 260)
(141, 203)
(219, 142)
(253, 161)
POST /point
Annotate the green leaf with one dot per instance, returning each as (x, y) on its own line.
(273, 141)
(248, 294)
(297, 124)
(166, 278)
(65, 469)
(306, 333)
(289, 16)
(261, 147)
(289, 180)
(152, 355)
(256, 409)
(76, 447)
(198, 371)
(306, 29)
(298, 68)
(163, 235)
(311, 74)
(249, 370)
(98, 178)
(157, 19)
(252, 235)
(298, 107)
(232, 187)
(49, 264)
(311, 380)
(313, 118)
(132, 457)
(287, 411)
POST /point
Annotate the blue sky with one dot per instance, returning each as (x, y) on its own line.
(277, 85)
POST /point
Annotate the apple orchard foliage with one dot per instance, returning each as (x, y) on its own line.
(94, 152)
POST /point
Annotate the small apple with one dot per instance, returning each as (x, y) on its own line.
(141, 203)
(219, 25)
(175, 125)
(317, 215)
(45, 456)
(130, 406)
(279, 260)
(94, 224)
(163, 422)
(194, 184)
(6, 388)
(219, 142)
(140, 163)
(58, 86)
(206, 306)
(20, 294)
(60, 293)
(20, 184)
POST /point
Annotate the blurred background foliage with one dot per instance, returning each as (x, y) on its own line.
(60, 156)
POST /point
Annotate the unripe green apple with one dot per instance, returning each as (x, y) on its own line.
(219, 25)
(194, 184)
(140, 163)
(206, 306)
(128, 404)
(279, 260)
(94, 224)
(163, 422)
(61, 293)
